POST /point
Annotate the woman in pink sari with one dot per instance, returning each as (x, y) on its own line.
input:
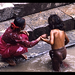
(14, 42)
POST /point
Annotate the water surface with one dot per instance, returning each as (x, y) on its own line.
(42, 63)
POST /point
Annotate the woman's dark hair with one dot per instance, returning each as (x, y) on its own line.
(19, 22)
(55, 22)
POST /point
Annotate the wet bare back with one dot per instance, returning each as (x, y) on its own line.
(57, 38)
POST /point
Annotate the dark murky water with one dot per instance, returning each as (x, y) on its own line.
(42, 63)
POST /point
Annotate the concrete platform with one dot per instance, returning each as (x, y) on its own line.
(37, 24)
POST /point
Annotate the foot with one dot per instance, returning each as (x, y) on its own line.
(24, 56)
(11, 62)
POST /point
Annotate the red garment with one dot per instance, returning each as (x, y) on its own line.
(13, 43)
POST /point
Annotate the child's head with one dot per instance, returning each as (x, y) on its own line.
(20, 22)
(55, 22)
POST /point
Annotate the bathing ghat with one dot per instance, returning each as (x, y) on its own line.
(36, 15)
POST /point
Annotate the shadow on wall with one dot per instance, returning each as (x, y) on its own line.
(38, 32)
(68, 25)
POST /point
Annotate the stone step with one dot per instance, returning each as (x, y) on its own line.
(11, 10)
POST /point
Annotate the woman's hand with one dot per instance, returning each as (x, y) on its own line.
(41, 38)
(25, 32)
(44, 36)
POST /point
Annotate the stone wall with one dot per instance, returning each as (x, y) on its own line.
(11, 10)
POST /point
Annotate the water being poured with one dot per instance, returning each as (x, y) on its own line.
(42, 63)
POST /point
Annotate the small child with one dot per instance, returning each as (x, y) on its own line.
(58, 40)
(14, 42)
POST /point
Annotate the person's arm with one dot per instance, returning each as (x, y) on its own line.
(45, 40)
(51, 41)
(51, 37)
(27, 43)
(66, 39)
(44, 36)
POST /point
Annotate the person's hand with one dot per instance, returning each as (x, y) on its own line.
(44, 36)
(41, 38)
(25, 32)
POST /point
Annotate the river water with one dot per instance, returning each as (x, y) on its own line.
(42, 63)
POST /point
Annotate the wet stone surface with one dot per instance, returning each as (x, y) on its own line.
(68, 9)
(71, 36)
(41, 18)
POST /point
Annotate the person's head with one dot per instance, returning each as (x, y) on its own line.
(19, 23)
(55, 22)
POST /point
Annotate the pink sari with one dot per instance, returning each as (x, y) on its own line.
(8, 50)
(13, 43)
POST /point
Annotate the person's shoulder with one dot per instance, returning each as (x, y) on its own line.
(55, 30)
(62, 31)
(8, 28)
(52, 31)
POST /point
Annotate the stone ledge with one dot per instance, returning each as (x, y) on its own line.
(11, 10)
(31, 8)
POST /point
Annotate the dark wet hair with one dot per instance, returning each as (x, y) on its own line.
(55, 22)
(19, 22)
